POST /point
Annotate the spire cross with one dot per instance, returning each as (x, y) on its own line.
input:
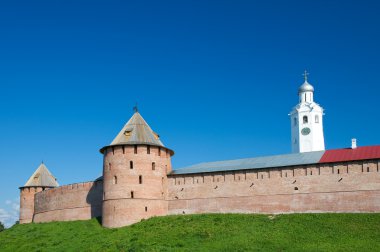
(305, 74)
(135, 108)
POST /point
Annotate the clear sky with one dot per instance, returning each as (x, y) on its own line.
(216, 79)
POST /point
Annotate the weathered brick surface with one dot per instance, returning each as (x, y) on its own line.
(340, 187)
(79, 201)
(27, 203)
(119, 208)
(337, 187)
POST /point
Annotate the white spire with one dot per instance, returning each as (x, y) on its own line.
(306, 90)
(307, 121)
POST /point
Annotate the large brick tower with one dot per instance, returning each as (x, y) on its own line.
(135, 166)
(39, 181)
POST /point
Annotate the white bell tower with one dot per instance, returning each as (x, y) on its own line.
(307, 121)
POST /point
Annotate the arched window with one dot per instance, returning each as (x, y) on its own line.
(114, 180)
(316, 119)
(130, 164)
(305, 119)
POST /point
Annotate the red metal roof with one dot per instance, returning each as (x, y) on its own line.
(360, 153)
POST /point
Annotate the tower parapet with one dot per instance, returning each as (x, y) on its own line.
(135, 168)
(41, 180)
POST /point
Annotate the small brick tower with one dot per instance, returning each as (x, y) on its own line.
(135, 166)
(39, 181)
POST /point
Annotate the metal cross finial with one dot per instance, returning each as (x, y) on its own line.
(305, 74)
(135, 108)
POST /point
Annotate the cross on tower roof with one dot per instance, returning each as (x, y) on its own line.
(135, 108)
(305, 74)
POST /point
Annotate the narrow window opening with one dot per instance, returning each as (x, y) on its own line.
(109, 166)
(140, 179)
(135, 149)
(159, 151)
(130, 164)
(148, 149)
(368, 169)
(262, 176)
(295, 188)
(338, 171)
(305, 119)
(113, 150)
(114, 180)
(123, 149)
(132, 195)
(286, 174)
(146, 209)
(311, 172)
(153, 166)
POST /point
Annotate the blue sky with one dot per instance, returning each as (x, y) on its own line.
(216, 79)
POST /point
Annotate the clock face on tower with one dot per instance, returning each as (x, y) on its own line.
(305, 131)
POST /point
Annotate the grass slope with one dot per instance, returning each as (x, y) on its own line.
(209, 232)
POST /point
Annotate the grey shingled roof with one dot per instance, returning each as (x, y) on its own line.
(253, 163)
(42, 177)
(137, 131)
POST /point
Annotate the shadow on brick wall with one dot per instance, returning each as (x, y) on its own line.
(95, 198)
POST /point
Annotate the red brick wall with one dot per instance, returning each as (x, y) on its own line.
(339, 187)
(27, 203)
(79, 201)
(119, 208)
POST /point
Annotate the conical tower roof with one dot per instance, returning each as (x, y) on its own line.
(42, 178)
(136, 131)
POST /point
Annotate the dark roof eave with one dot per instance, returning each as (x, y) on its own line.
(37, 186)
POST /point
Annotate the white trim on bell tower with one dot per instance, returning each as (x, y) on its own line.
(306, 121)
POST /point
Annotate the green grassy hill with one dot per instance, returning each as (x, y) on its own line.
(210, 232)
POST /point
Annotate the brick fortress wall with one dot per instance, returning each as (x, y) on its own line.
(135, 183)
(335, 187)
(27, 203)
(79, 201)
